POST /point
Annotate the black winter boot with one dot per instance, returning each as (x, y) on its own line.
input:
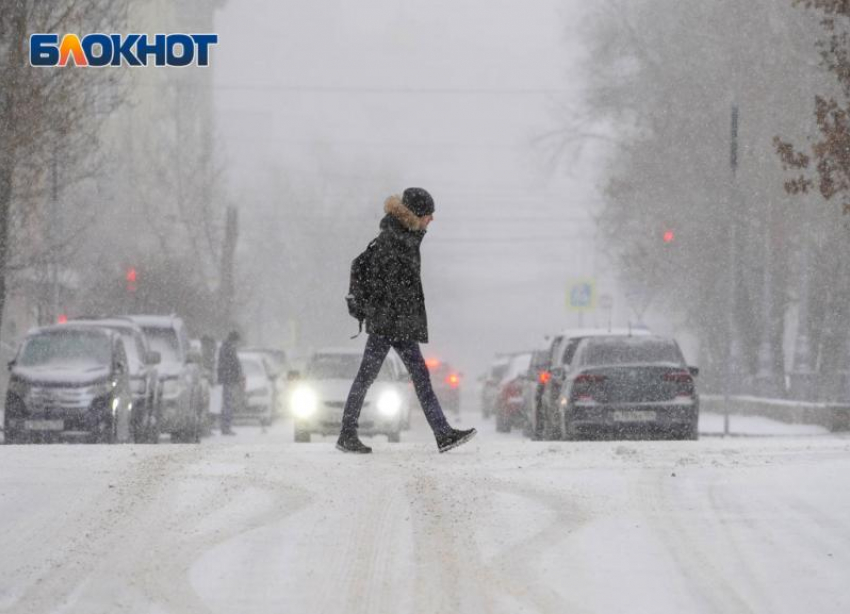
(453, 439)
(350, 442)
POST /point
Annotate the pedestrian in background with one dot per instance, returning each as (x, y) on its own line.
(232, 381)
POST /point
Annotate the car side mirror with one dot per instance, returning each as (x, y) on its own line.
(154, 358)
(193, 357)
(694, 371)
(293, 376)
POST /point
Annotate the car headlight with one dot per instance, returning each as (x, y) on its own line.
(19, 387)
(389, 403)
(304, 402)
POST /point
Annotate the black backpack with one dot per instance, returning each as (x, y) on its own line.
(361, 286)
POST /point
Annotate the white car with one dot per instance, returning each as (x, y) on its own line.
(179, 374)
(259, 389)
(318, 398)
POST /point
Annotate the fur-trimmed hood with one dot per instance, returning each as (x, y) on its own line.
(395, 207)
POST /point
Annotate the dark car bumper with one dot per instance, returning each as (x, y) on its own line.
(84, 425)
(632, 419)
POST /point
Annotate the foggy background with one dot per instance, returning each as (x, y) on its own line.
(325, 109)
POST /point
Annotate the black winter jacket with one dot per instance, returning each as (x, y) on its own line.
(398, 303)
(229, 366)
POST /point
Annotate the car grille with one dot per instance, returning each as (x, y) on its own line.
(71, 399)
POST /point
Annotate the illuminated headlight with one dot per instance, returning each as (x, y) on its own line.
(170, 387)
(114, 404)
(304, 403)
(389, 403)
(259, 392)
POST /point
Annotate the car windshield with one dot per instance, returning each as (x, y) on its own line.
(164, 341)
(66, 348)
(518, 365)
(627, 350)
(340, 366)
(253, 367)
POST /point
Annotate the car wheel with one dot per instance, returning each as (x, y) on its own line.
(536, 425)
(153, 430)
(108, 430)
(551, 428)
(502, 423)
(394, 437)
(302, 436)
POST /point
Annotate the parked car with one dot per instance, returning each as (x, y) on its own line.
(508, 406)
(490, 384)
(622, 386)
(562, 350)
(69, 382)
(259, 389)
(446, 384)
(532, 392)
(276, 365)
(144, 376)
(179, 374)
(318, 398)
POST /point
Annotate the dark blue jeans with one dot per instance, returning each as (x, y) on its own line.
(373, 357)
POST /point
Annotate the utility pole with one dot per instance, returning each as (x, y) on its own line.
(52, 234)
(733, 360)
(227, 273)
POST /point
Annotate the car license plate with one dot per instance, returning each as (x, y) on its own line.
(634, 416)
(44, 425)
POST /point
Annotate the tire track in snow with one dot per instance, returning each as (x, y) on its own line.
(706, 578)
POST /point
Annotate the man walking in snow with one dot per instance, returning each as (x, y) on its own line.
(395, 318)
(232, 380)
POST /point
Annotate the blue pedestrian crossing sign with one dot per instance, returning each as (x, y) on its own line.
(581, 295)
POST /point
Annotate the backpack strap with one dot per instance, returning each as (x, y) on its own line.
(359, 329)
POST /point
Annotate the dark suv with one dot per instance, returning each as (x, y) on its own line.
(69, 383)
(144, 376)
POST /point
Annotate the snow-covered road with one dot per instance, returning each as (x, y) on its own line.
(258, 524)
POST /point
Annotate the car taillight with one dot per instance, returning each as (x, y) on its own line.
(545, 376)
(453, 380)
(683, 379)
(512, 389)
(583, 386)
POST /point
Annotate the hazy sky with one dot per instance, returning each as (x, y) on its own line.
(445, 95)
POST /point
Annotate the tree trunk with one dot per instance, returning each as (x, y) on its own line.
(8, 98)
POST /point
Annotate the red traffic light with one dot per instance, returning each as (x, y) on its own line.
(669, 236)
(131, 279)
(62, 319)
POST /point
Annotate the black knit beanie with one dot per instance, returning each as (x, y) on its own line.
(418, 201)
